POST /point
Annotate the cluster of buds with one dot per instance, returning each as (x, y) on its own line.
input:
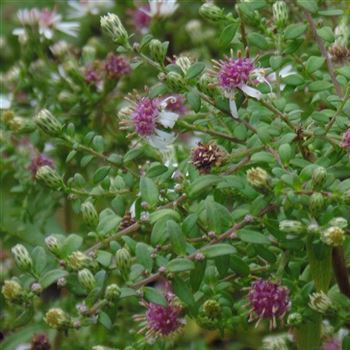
(205, 156)
(333, 236)
(48, 123)
(291, 226)
(90, 215)
(87, 279)
(57, 318)
(115, 29)
(12, 291)
(320, 302)
(209, 314)
(258, 177)
(77, 260)
(123, 262)
(280, 13)
(49, 177)
(23, 260)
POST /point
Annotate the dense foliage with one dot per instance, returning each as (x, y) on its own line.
(175, 175)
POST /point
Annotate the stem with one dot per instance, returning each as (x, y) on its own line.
(340, 271)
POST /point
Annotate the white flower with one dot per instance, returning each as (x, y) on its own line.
(275, 342)
(81, 8)
(162, 8)
(47, 21)
(5, 101)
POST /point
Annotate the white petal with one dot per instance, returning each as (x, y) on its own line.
(167, 118)
(285, 71)
(251, 92)
(5, 101)
(233, 108)
(161, 139)
(70, 28)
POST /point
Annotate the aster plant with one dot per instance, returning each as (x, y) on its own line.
(175, 175)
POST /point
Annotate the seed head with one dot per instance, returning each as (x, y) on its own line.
(205, 156)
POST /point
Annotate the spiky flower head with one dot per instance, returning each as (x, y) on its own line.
(11, 290)
(114, 27)
(320, 302)
(257, 177)
(56, 318)
(339, 54)
(39, 161)
(205, 156)
(40, 341)
(48, 123)
(49, 177)
(331, 344)
(116, 66)
(346, 140)
(333, 236)
(23, 260)
(268, 300)
(87, 279)
(145, 115)
(77, 260)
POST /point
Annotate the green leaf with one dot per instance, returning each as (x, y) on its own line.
(154, 296)
(52, 276)
(194, 100)
(203, 183)
(39, 259)
(217, 216)
(285, 152)
(133, 154)
(320, 85)
(182, 290)
(72, 243)
(101, 173)
(195, 70)
(258, 40)
(176, 236)
(228, 34)
(294, 30)
(108, 222)
(156, 170)
(331, 12)
(197, 274)
(239, 266)
(314, 63)
(98, 143)
(164, 213)
(293, 80)
(218, 249)
(71, 155)
(104, 258)
(251, 236)
(86, 160)
(143, 255)
(105, 320)
(309, 5)
(326, 33)
(179, 265)
(149, 190)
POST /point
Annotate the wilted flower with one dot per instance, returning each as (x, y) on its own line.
(176, 103)
(162, 8)
(333, 236)
(40, 342)
(39, 161)
(81, 8)
(127, 221)
(116, 66)
(11, 290)
(47, 22)
(204, 156)
(268, 300)
(56, 318)
(320, 302)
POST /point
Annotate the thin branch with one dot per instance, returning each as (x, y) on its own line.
(340, 271)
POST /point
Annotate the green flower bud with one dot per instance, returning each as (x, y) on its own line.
(77, 260)
(112, 292)
(90, 215)
(87, 279)
(291, 226)
(123, 262)
(66, 97)
(158, 50)
(342, 33)
(23, 260)
(11, 290)
(320, 302)
(114, 27)
(53, 244)
(56, 318)
(212, 308)
(36, 288)
(294, 319)
(211, 12)
(206, 84)
(340, 222)
(316, 202)
(184, 63)
(319, 176)
(48, 123)
(257, 177)
(175, 81)
(280, 13)
(206, 322)
(49, 177)
(313, 228)
(333, 236)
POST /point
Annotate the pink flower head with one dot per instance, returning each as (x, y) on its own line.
(268, 300)
(331, 344)
(92, 73)
(346, 140)
(176, 104)
(145, 115)
(234, 73)
(38, 162)
(140, 18)
(116, 66)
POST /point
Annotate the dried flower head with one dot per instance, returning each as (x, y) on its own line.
(205, 156)
(339, 54)
(127, 221)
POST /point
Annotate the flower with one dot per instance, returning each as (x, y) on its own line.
(333, 236)
(204, 156)
(331, 344)
(40, 342)
(162, 8)
(176, 103)
(11, 290)
(47, 22)
(93, 73)
(346, 140)
(320, 302)
(140, 18)
(268, 300)
(116, 66)
(38, 161)
(81, 8)
(56, 318)
(275, 342)
(114, 27)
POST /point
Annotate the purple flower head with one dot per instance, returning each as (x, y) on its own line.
(140, 19)
(268, 300)
(331, 344)
(40, 342)
(176, 103)
(346, 140)
(92, 73)
(145, 115)
(116, 66)
(234, 73)
(38, 162)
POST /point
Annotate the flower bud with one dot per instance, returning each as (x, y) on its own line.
(212, 308)
(23, 259)
(53, 245)
(77, 260)
(346, 197)
(56, 318)
(280, 13)
(112, 292)
(158, 50)
(184, 63)
(123, 262)
(316, 202)
(48, 123)
(113, 26)
(11, 290)
(87, 279)
(211, 12)
(313, 228)
(206, 84)
(294, 319)
(342, 33)
(319, 177)
(257, 177)
(89, 213)
(49, 177)
(340, 222)
(333, 236)
(320, 302)
(36, 288)
(291, 226)
(175, 81)
(275, 342)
